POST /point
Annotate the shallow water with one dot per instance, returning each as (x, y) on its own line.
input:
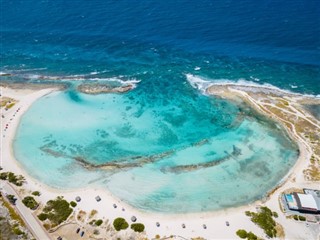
(212, 154)
(178, 150)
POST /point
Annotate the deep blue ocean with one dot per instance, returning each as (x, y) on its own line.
(189, 152)
(276, 42)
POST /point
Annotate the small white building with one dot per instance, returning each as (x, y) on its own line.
(303, 202)
(306, 202)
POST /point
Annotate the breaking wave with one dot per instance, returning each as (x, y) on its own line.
(92, 76)
(202, 84)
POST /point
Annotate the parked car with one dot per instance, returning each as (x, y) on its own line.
(12, 199)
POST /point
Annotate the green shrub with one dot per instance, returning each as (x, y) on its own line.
(137, 227)
(248, 213)
(12, 178)
(36, 193)
(73, 204)
(14, 216)
(58, 210)
(30, 202)
(242, 233)
(120, 224)
(10, 105)
(302, 218)
(4, 176)
(47, 226)
(295, 217)
(251, 236)
(43, 216)
(17, 231)
(265, 221)
(98, 222)
(275, 214)
(16, 180)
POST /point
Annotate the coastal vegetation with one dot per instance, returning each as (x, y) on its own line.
(137, 227)
(30, 202)
(13, 215)
(17, 180)
(10, 105)
(36, 193)
(120, 224)
(56, 211)
(98, 222)
(93, 213)
(246, 235)
(81, 215)
(299, 218)
(7, 103)
(43, 216)
(73, 204)
(251, 236)
(11, 224)
(313, 171)
(242, 233)
(264, 219)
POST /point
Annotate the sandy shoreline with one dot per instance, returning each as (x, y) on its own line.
(169, 224)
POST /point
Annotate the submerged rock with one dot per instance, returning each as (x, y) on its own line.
(103, 88)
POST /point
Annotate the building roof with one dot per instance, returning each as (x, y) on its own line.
(307, 201)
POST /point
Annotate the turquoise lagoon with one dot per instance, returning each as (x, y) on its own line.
(177, 150)
(193, 153)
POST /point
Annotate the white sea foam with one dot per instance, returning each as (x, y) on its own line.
(82, 77)
(94, 73)
(132, 82)
(29, 69)
(254, 78)
(198, 83)
(32, 76)
(97, 72)
(202, 84)
(197, 68)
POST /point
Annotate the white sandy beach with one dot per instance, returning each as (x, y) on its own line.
(169, 224)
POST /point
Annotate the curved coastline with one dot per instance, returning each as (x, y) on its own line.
(60, 170)
(13, 165)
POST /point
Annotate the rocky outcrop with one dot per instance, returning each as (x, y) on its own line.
(103, 88)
